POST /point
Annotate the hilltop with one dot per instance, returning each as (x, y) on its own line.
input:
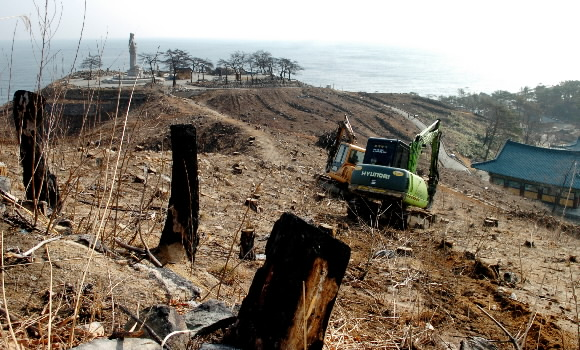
(523, 272)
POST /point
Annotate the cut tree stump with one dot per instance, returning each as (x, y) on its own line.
(180, 231)
(247, 244)
(292, 295)
(490, 222)
(253, 204)
(326, 228)
(28, 113)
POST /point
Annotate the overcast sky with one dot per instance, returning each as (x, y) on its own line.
(530, 36)
(421, 23)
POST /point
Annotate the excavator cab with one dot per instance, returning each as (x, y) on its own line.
(347, 154)
(387, 152)
(346, 158)
(343, 155)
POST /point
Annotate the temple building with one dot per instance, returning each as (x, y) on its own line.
(546, 174)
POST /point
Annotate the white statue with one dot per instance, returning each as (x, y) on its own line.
(134, 69)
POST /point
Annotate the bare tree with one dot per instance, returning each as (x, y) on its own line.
(237, 61)
(271, 63)
(194, 62)
(502, 124)
(282, 64)
(151, 59)
(263, 60)
(224, 65)
(529, 113)
(205, 66)
(293, 67)
(176, 59)
(91, 63)
(252, 64)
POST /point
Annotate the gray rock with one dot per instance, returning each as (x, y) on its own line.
(208, 317)
(95, 329)
(511, 277)
(163, 320)
(389, 254)
(176, 286)
(119, 344)
(476, 343)
(216, 347)
(5, 184)
(89, 241)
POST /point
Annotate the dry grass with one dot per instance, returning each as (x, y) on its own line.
(424, 301)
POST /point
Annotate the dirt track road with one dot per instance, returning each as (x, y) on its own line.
(265, 143)
(448, 161)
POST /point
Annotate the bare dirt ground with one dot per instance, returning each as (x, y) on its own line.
(523, 273)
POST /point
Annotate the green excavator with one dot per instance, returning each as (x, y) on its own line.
(387, 174)
(389, 169)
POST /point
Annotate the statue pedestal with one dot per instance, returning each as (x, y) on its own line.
(135, 72)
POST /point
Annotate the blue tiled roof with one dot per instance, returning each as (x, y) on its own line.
(535, 164)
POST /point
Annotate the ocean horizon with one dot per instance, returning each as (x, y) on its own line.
(342, 66)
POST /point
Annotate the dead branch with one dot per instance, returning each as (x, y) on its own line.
(33, 249)
(512, 339)
(140, 251)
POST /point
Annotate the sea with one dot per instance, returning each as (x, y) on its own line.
(342, 66)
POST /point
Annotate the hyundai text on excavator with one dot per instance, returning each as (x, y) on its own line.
(387, 175)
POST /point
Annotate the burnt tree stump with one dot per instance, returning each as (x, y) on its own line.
(180, 231)
(247, 244)
(28, 113)
(490, 222)
(292, 295)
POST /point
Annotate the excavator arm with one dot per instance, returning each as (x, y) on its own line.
(429, 136)
(344, 129)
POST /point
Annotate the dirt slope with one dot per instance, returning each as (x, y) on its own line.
(522, 272)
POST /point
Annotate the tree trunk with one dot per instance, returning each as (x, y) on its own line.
(491, 137)
(247, 244)
(40, 184)
(292, 295)
(180, 230)
(152, 72)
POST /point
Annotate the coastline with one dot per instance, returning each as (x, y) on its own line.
(342, 66)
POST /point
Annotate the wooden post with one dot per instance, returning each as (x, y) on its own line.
(247, 244)
(292, 295)
(40, 184)
(180, 230)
